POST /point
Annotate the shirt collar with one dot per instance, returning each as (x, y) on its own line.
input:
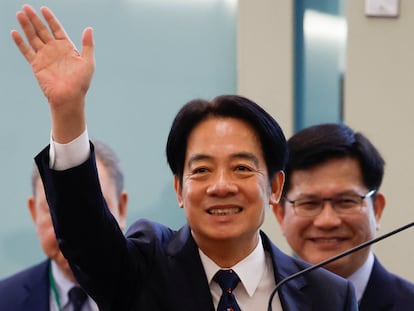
(249, 277)
(360, 277)
(63, 285)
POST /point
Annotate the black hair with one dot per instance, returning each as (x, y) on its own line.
(272, 139)
(317, 144)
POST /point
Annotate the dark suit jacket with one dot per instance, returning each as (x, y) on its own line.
(26, 290)
(387, 292)
(156, 268)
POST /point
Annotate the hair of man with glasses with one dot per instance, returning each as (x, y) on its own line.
(332, 202)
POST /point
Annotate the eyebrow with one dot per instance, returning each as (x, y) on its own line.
(238, 155)
(311, 195)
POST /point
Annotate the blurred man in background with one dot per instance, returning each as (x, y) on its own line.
(50, 285)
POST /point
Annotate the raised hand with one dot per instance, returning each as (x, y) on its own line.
(64, 74)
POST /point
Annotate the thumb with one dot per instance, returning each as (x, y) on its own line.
(88, 45)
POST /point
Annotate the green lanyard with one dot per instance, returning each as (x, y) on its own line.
(54, 288)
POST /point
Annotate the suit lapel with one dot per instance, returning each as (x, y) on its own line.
(291, 295)
(188, 272)
(376, 296)
(184, 257)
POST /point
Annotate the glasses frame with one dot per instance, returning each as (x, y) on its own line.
(369, 194)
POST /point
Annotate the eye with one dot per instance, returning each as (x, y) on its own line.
(199, 170)
(244, 171)
(243, 168)
(308, 203)
(345, 202)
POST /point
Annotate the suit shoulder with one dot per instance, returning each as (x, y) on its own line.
(386, 290)
(29, 273)
(404, 287)
(148, 231)
(15, 288)
(380, 275)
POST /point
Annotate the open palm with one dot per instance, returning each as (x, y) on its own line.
(63, 74)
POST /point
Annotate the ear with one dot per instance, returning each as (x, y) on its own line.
(279, 212)
(177, 189)
(32, 207)
(276, 188)
(122, 209)
(379, 205)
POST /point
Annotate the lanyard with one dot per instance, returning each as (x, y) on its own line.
(54, 288)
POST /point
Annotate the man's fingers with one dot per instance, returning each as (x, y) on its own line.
(39, 28)
(26, 51)
(29, 31)
(38, 35)
(54, 25)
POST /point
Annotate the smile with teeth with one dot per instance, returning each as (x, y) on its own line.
(327, 240)
(224, 211)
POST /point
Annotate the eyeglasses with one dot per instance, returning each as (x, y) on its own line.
(343, 204)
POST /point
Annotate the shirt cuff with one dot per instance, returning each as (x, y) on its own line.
(74, 153)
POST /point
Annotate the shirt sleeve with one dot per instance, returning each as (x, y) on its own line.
(74, 153)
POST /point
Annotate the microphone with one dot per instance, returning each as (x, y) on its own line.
(329, 260)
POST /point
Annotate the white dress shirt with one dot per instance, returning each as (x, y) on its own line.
(64, 156)
(256, 284)
(360, 277)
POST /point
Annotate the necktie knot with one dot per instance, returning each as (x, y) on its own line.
(77, 297)
(228, 280)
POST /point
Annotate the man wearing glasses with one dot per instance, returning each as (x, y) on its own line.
(331, 203)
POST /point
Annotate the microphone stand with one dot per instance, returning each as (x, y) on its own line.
(329, 260)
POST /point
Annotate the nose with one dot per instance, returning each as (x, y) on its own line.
(328, 218)
(222, 184)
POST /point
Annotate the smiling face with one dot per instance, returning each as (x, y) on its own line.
(41, 217)
(315, 239)
(225, 190)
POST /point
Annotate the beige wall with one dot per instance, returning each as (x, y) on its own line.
(265, 56)
(379, 95)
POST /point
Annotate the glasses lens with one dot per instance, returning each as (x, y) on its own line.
(343, 204)
(347, 204)
(308, 206)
